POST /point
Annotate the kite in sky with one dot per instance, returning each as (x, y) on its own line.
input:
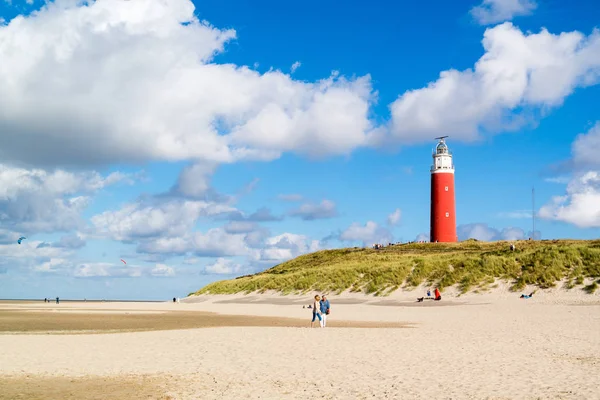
(21, 239)
(123, 261)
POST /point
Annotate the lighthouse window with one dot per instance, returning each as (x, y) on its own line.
(446, 188)
(447, 214)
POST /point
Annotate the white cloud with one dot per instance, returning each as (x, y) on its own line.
(580, 205)
(263, 214)
(586, 147)
(33, 201)
(287, 246)
(295, 66)
(224, 266)
(213, 243)
(166, 219)
(241, 227)
(494, 11)
(517, 72)
(368, 234)
(162, 270)
(135, 80)
(194, 180)
(310, 212)
(394, 218)
(98, 270)
(486, 233)
(52, 266)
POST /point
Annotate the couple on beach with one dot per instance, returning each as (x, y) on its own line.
(320, 310)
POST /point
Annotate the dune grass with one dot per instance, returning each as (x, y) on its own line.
(470, 265)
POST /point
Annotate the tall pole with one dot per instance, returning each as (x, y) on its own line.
(533, 212)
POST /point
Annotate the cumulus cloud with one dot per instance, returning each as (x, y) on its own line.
(153, 219)
(394, 218)
(35, 200)
(368, 234)
(223, 266)
(263, 214)
(310, 211)
(135, 80)
(162, 270)
(486, 233)
(580, 205)
(494, 11)
(241, 227)
(104, 270)
(586, 147)
(194, 183)
(530, 72)
(215, 242)
(73, 241)
(287, 246)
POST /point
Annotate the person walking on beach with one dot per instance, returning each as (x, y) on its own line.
(324, 303)
(317, 311)
(438, 296)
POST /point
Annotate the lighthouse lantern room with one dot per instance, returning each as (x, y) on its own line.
(443, 217)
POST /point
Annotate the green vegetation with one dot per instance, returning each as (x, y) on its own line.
(471, 265)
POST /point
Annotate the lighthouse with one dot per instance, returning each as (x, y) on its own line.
(443, 208)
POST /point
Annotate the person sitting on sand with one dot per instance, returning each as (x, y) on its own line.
(316, 311)
(526, 296)
(437, 294)
(324, 303)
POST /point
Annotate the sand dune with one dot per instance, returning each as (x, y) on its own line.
(475, 347)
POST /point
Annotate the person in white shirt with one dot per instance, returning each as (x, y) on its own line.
(317, 311)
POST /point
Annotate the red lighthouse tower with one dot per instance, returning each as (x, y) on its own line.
(443, 217)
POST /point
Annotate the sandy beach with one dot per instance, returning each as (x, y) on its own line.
(476, 346)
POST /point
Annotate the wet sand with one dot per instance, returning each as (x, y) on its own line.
(67, 321)
(36, 387)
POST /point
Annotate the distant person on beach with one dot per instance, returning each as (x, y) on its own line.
(526, 296)
(316, 311)
(428, 292)
(324, 303)
(57, 300)
(438, 295)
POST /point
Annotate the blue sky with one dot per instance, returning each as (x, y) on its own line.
(200, 151)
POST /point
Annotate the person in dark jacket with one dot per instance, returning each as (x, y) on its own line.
(324, 304)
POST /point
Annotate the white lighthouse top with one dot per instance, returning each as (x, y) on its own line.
(442, 157)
